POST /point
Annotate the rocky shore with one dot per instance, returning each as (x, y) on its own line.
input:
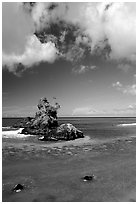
(45, 124)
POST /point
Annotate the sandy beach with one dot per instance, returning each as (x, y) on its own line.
(53, 172)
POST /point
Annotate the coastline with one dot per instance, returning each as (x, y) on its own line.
(53, 171)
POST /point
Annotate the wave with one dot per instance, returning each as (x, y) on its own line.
(126, 124)
(6, 127)
(14, 134)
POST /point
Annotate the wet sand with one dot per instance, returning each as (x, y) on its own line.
(52, 172)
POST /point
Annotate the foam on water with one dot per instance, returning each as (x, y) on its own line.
(14, 134)
(6, 127)
(127, 124)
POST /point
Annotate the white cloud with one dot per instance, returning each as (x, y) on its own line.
(35, 52)
(98, 24)
(130, 89)
(132, 106)
(117, 24)
(120, 29)
(40, 15)
(87, 111)
(126, 89)
(117, 84)
(85, 68)
(20, 45)
(83, 111)
(129, 110)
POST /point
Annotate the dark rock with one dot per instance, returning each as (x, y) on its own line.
(18, 188)
(45, 119)
(89, 178)
(68, 132)
(45, 124)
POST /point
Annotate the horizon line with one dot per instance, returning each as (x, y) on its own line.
(76, 117)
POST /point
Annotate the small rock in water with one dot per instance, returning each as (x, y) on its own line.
(129, 141)
(89, 178)
(18, 188)
(41, 138)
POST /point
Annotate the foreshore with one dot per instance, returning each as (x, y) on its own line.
(53, 171)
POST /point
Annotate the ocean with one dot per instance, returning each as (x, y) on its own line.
(98, 127)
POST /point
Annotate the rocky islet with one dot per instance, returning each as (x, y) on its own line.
(45, 124)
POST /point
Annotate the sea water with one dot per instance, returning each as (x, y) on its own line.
(98, 128)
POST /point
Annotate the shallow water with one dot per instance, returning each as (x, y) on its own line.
(52, 174)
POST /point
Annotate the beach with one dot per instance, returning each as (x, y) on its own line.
(53, 172)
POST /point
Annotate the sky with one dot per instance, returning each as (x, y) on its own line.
(84, 59)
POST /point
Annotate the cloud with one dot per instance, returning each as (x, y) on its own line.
(120, 29)
(87, 111)
(83, 111)
(20, 45)
(95, 28)
(132, 107)
(117, 84)
(73, 54)
(128, 89)
(85, 68)
(100, 24)
(35, 52)
(129, 110)
(124, 67)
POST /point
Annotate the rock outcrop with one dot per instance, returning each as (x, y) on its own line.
(69, 132)
(45, 124)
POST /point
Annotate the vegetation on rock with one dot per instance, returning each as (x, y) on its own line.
(45, 123)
